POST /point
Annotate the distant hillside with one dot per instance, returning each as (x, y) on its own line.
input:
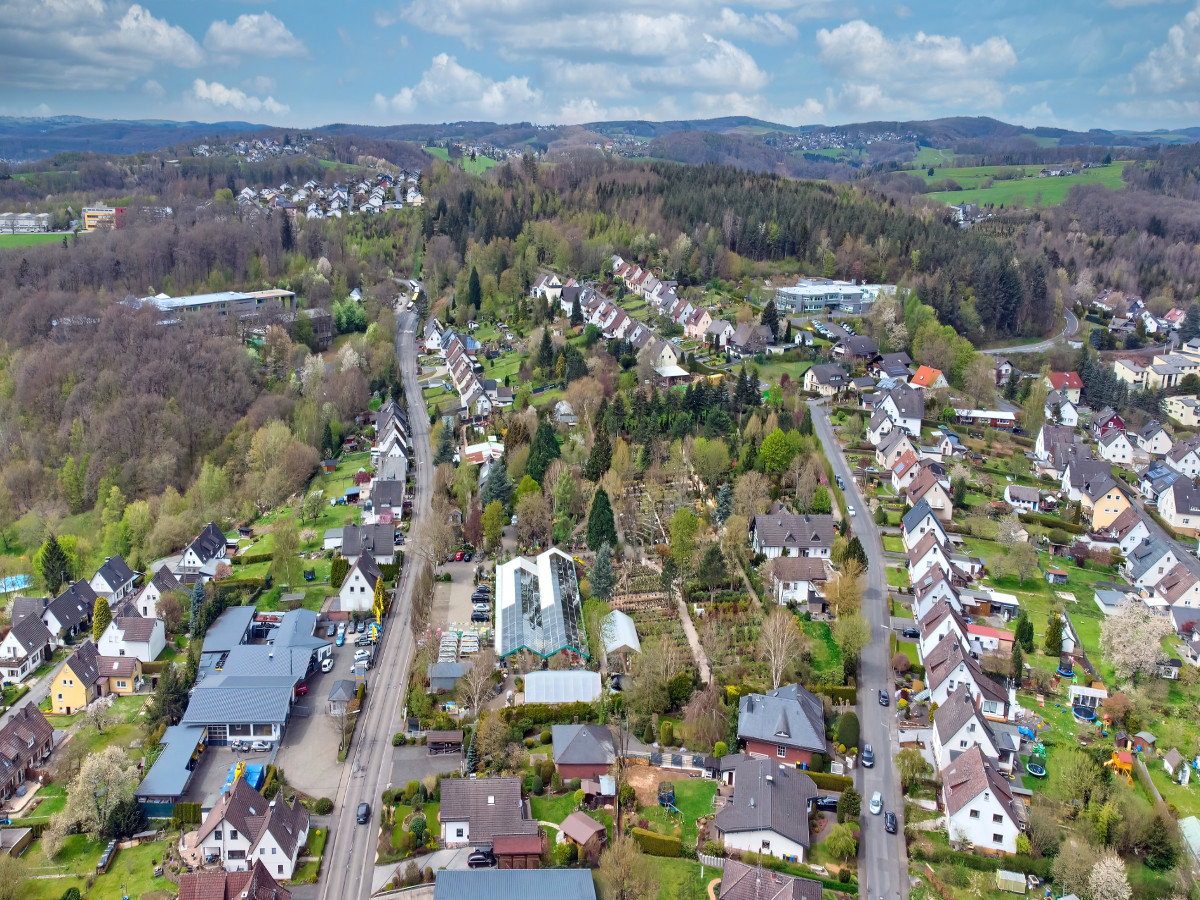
(24, 139)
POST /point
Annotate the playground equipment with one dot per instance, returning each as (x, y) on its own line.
(1066, 667)
(1122, 764)
(666, 797)
(1084, 713)
(1036, 766)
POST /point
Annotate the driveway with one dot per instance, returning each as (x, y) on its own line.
(883, 859)
(1069, 330)
(213, 769)
(452, 602)
(412, 763)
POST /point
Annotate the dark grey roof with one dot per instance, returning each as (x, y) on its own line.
(768, 796)
(453, 670)
(514, 884)
(830, 374)
(491, 807)
(1024, 494)
(914, 516)
(208, 543)
(169, 775)
(115, 572)
(909, 401)
(944, 659)
(860, 345)
(164, 579)
(31, 634)
(73, 607)
(957, 711)
(343, 690)
(1145, 556)
(971, 774)
(242, 699)
(583, 745)
(27, 606)
(386, 494)
(787, 715)
(1187, 496)
(379, 539)
(229, 629)
(787, 529)
(742, 882)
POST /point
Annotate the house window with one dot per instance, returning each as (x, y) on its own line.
(460, 833)
(121, 652)
(233, 834)
(971, 727)
(951, 684)
(273, 849)
(60, 696)
(780, 751)
(974, 814)
(217, 834)
(997, 818)
(120, 685)
(962, 744)
(997, 839)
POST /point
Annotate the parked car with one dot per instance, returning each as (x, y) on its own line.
(852, 512)
(827, 804)
(301, 689)
(363, 641)
(468, 556)
(483, 607)
(341, 637)
(876, 803)
(260, 746)
(362, 626)
(884, 699)
(868, 756)
(841, 484)
(327, 664)
(481, 859)
(363, 654)
(331, 630)
(478, 616)
(910, 632)
(458, 557)
(364, 813)
(889, 822)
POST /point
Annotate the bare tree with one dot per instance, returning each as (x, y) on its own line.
(625, 872)
(780, 643)
(475, 684)
(343, 719)
(706, 716)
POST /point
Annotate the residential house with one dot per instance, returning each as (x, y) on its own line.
(1004, 370)
(163, 582)
(1179, 587)
(893, 446)
(1081, 469)
(379, 540)
(26, 742)
(1184, 410)
(1166, 371)
(662, 354)
(26, 644)
(905, 406)
(1155, 439)
(928, 380)
(981, 811)
(784, 725)
(1023, 498)
(582, 751)
(928, 488)
(114, 580)
(200, 557)
(780, 532)
(243, 828)
(766, 813)
(904, 472)
(742, 882)
(70, 613)
(799, 579)
(1131, 373)
(1127, 530)
(357, 592)
(919, 521)
(1053, 444)
(892, 365)
(1184, 457)
(958, 726)
(477, 811)
(929, 553)
(1116, 448)
(718, 333)
(931, 588)
(141, 638)
(1068, 384)
(1060, 410)
(255, 883)
(1149, 561)
(87, 676)
(1155, 480)
(826, 379)
(940, 620)
(513, 883)
(881, 426)
(856, 349)
(990, 640)
(1179, 505)
(950, 665)
(1106, 420)
(697, 323)
(1103, 500)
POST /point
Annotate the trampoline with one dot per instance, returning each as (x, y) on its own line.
(1066, 671)
(1036, 766)
(1084, 713)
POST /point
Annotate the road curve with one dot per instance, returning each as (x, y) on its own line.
(350, 851)
(1069, 330)
(883, 858)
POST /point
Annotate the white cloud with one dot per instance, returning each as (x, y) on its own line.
(912, 74)
(153, 89)
(87, 44)
(1041, 114)
(253, 35)
(220, 96)
(260, 84)
(735, 104)
(766, 28)
(1173, 66)
(448, 90)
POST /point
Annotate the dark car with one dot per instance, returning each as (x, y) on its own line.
(889, 822)
(911, 632)
(827, 804)
(1019, 431)
(364, 813)
(868, 756)
(479, 616)
(481, 859)
(486, 588)
(362, 626)
(467, 556)
(884, 699)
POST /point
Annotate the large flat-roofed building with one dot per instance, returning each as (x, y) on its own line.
(538, 607)
(96, 217)
(224, 303)
(24, 223)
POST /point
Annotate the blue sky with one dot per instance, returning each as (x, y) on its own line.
(1068, 63)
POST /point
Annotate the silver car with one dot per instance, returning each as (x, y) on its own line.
(876, 803)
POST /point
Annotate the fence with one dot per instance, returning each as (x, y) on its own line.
(717, 862)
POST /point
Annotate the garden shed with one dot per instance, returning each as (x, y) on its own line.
(1010, 881)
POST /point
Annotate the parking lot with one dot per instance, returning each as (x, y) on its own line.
(452, 602)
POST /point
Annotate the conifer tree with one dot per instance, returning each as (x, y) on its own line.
(197, 602)
(101, 618)
(601, 456)
(601, 527)
(602, 579)
(724, 503)
(56, 568)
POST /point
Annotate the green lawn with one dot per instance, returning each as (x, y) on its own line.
(553, 809)
(893, 543)
(826, 654)
(693, 798)
(773, 368)
(897, 576)
(1027, 191)
(51, 799)
(132, 868)
(122, 729)
(476, 166)
(10, 241)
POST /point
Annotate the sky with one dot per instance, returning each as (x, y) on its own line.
(1111, 64)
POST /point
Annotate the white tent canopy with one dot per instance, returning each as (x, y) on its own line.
(619, 633)
(573, 686)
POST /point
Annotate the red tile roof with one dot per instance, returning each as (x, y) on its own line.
(1068, 380)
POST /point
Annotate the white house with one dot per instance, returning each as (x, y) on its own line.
(477, 810)
(242, 828)
(135, 636)
(200, 556)
(357, 592)
(980, 809)
(114, 580)
(880, 428)
(780, 532)
(1155, 439)
(940, 620)
(905, 471)
(950, 665)
(958, 726)
(26, 645)
(1127, 530)
(798, 579)
(1060, 409)
(1116, 448)
(766, 812)
(918, 522)
(1149, 562)
(147, 599)
(1184, 458)
(905, 406)
(893, 446)
(1020, 497)
(930, 589)
(929, 553)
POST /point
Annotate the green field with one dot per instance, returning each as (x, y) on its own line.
(1027, 191)
(476, 166)
(9, 241)
(929, 156)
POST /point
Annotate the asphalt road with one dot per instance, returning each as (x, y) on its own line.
(350, 851)
(1070, 329)
(883, 861)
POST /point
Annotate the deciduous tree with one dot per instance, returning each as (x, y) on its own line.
(1109, 880)
(780, 643)
(473, 687)
(625, 873)
(101, 618)
(1130, 638)
(852, 633)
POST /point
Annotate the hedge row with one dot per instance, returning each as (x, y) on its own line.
(837, 692)
(184, 814)
(549, 714)
(1050, 522)
(153, 668)
(657, 844)
(831, 782)
(249, 559)
(1015, 863)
